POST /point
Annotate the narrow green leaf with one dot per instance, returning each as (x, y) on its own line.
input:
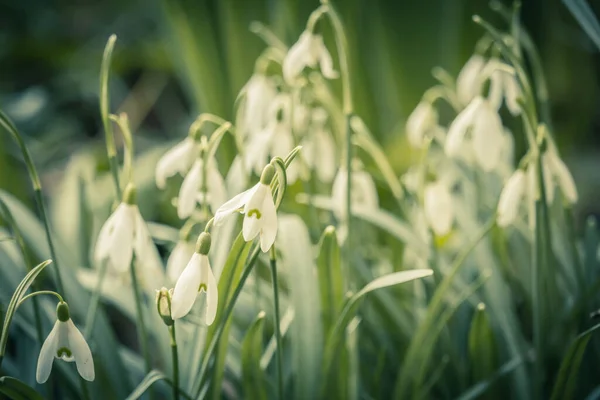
(481, 387)
(16, 390)
(151, 378)
(253, 377)
(565, 385)
(584, 14)
(482, 345)
(331, 281)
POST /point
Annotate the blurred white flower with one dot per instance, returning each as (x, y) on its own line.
(318, 147)
(487, 134)
(421, 120)
(556, 174)
(65, 342)
(468, 82)
(275, 139)
(181, 253)
(511, 197)
(179, 159)
(197, 277)
(308, 51)
(258, 94)
(363, 190)
(438, 207)
(125, 235)
(190, 192)
(260, 214)
(504, 85)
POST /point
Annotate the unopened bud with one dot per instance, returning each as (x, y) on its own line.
(62, 312)
(163, 305)
(130, 194)
(203, 243)
(267, 174)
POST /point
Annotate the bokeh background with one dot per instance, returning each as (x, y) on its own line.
(177, 58)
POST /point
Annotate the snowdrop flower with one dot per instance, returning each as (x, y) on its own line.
(318, 148)
(125, 235)
(504, 85)
(259, 92)
(468, 82)
(439, 212)
(260, 214)
(190, 192)
(163, 305)
(556, 174)
(197, 277)
(182, 252)
(177, 160)
(65, 342)
(421, 120)
(275, 140)
(363, 190)
(486, 130)
(511, 197)
(308, 51)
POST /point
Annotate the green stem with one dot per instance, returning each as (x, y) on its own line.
(273, 260)
(7, 124)
(215, 339)
(142, 333)
(94, 303)
(50, 292)
(175, 362)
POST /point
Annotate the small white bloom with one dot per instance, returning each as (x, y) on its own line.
(511, 197)
(260, 214)
(486, 132)
(421, 120)
(190, 191)
(363, 190)
(468, 82)
(555, 170)
(259, 92)
(504, 85)
(177, 160)
(318, 148)
(439, 211)
(125, 235)
(308, 51)
(65, 342)
(197, 277)
(181, 253)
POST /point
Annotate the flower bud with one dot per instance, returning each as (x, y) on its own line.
(163, 305)
(62, 312)
(130, 194)
(203, 243)
(267, 174)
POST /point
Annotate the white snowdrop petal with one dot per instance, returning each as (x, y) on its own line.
(549, 186)
(364, 191)
(325, 61)
(468, 82)
(186, 203)
(488, 137)
(510, 198)
(178, 259)
(566, 183)
(216, 186)
(46, 357)
(496, 89)
(212, 295)
(338, 191)
(253, 212)
(325, 145)
(269, 224)
(512, 92)
(438, 208)
(103, 243)
(176, 160)
(423, 118)
(121, 243)
(235, 204)
(81, 352)
(458, 128)
(297, 58)
(186, 288)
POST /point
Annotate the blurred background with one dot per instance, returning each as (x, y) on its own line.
(177, 58)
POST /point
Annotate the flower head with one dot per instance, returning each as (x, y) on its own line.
(504, 85)
(177, 160)
(468, 82)
(259, 92)
(191, 193)
(510, 198)
(65, 342)
(197, 277)
(363, 190)
(308, 51)
(421, 120)
(438, 207)
(181, 253)
(258, 207)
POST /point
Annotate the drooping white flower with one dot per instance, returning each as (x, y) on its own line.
(439, 211)
(308, 51)
(556, 174)
(511, 198)
(258, 94)
(125, 235)
(421, 120)
(258, 207)
(318, 147)
(362, 190)
(468, 82)
(65, 342)
(197, 277)
(274, 140)
(177, 160)
(504, 85)
(190, 192)
(487, 134)
(181, 253)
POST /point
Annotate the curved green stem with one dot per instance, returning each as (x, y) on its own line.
(50, 292)
(94, 303)
(141, 326)
(175, 362)
(273, 262)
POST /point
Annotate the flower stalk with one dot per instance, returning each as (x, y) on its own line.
(273, 263)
